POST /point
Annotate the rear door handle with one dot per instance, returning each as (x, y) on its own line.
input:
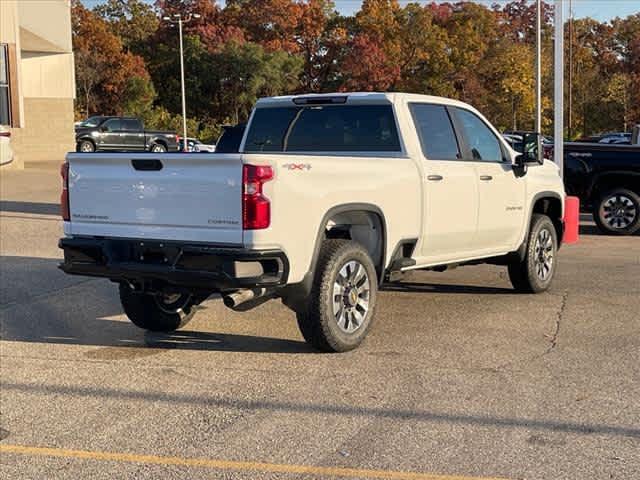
(435, 178)
(486, 178)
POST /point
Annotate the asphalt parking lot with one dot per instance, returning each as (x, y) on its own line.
(460, 378)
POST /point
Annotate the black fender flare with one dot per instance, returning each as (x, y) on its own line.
(157, 140)
(300, 290)
(599, 176)
(522, 249)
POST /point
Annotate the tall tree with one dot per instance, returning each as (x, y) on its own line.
(214, 27)
(245, 72)
(104, 68)
(424, 63)
(133, 21)
(271, 23)
(322, 39)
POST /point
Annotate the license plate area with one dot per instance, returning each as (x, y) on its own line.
(151, 253)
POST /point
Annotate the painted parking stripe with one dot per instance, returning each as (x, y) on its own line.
(230, 465)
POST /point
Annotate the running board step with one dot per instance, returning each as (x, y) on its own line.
(401, 263)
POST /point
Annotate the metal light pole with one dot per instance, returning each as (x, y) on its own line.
(570, 79)
(538, 126)
(178, 20)
(558, 91)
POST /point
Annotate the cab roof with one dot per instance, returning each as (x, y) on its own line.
(354, 98)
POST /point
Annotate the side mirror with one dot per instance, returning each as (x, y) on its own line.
(531, 150)
(104, 129)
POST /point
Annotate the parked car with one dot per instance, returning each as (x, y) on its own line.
(122, 134)
(515, 140)
(6, 152)
(329, 197)
(619, 137)
(606, 178)
(195, 145)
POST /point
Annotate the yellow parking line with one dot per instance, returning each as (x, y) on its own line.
(230, 465)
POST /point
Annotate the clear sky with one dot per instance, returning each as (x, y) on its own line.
(598, 9)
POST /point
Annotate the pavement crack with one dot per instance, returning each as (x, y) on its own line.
(554, 337)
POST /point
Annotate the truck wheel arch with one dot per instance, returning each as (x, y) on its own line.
(295, 295)
(613, 179)
(86, 139)
(354, 212)
(158, 141)
(548, 203)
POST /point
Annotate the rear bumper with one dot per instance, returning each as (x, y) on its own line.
(208, 268)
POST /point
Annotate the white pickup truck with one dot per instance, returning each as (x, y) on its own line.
(329, 197)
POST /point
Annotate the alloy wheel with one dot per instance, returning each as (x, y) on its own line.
(618, 211)
(172, 302)
(351, 291)
(544, 254)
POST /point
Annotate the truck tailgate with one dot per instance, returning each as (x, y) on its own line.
(186, 197)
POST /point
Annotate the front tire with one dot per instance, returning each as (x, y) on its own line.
(341, 307)
(157, 312)
(535, 272)
(617, 212)
(85, 146)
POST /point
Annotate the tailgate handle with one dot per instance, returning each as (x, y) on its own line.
(147, 164)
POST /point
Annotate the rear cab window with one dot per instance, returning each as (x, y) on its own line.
(323, 128)
(435, 131)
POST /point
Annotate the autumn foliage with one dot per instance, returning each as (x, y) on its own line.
(127, 61)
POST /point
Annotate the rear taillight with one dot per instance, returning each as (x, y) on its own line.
(256, 209)
(64, 197)
(5, 133)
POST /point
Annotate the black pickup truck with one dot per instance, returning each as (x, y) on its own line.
(123, 134)
(606, 178)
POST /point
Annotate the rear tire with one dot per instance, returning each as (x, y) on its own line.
(617, 212)
(341, 307)
(158, 148)
(159, 312)
(535, 272)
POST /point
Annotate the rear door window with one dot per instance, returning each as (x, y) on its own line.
(319, 128)
(437, 136)
(131, 125)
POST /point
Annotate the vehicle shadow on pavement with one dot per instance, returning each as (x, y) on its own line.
(588, 227)
(40, 304)
(444, 288)
(594, 231)
(30, 207)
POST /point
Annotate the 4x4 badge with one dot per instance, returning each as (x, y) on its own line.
(297, 166)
